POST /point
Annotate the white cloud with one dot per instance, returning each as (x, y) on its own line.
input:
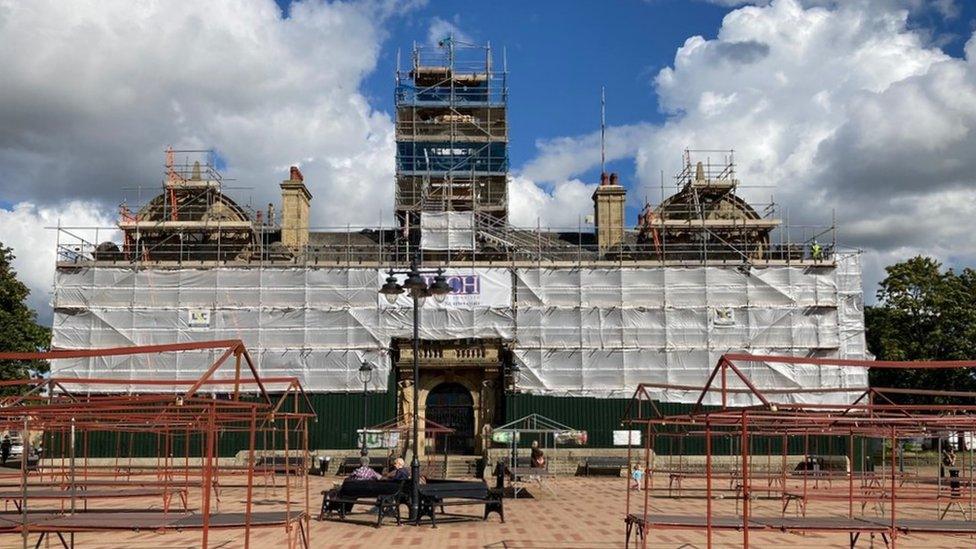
(843, 107)
(562, 158)
(93, 94)
(562, 207)
(945, 8)
(737, 3)
(440, 29)
(26, 228)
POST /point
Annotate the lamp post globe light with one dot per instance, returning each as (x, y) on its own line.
(440, 288)
(365, 375)
(418, 289)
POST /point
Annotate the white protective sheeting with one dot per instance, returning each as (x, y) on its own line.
(600, 332)
(596, 332)
(447, 230)
(317, 324)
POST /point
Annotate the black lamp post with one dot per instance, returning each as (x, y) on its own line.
(418, 290)
(365, 374)
(515, 371)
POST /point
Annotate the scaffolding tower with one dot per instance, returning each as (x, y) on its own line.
(452, 133)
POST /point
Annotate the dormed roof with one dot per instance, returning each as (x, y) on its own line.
(208, 205)
(684, 205)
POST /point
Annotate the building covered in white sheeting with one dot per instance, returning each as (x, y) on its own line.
(557, 321)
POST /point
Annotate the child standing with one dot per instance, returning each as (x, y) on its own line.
(637, 477)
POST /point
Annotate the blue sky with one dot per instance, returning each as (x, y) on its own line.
(560, 53)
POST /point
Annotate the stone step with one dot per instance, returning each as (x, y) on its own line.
(459, 466)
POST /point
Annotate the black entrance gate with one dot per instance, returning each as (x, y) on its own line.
(450, 405)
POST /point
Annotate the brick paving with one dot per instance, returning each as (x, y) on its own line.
(583, 513)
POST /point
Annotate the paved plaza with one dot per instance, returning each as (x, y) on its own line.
(581, 513)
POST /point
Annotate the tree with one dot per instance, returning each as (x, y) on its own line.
(924, 313)
(19, 330)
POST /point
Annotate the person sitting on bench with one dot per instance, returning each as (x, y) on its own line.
(5, 447)
(364, 471)
(948, 458)
(399, 471)
(538, 460)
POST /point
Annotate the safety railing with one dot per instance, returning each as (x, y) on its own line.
(496, 243)
(438, 157)
(418, 193)
(462, 128)
(491, 92)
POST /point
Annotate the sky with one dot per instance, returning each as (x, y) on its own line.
(859, 110)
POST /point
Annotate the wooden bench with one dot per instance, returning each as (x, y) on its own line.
(522, 476)
(385, 495)
(523, 473)
(295, 465)
(604, 463)
(436, 494)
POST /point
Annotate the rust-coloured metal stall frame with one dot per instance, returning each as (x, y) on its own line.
(402, 424)
(872, 414)
(195, 412)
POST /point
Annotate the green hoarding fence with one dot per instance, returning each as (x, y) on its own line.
(600, 417)
(341, 414)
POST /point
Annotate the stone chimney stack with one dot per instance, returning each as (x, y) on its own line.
(608, 206)
(295, 200)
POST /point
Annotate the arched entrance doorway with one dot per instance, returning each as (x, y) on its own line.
(451, 405)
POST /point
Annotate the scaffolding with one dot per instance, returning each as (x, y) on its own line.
(193, 223)
(451, 132)
(190, 218)
(706, 220)
(495, 244)
(581, 319)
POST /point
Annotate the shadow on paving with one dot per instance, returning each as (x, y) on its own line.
(369, 519)
(524, 493)
(526, 544)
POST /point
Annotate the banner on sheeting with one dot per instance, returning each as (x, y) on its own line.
(469, 288)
